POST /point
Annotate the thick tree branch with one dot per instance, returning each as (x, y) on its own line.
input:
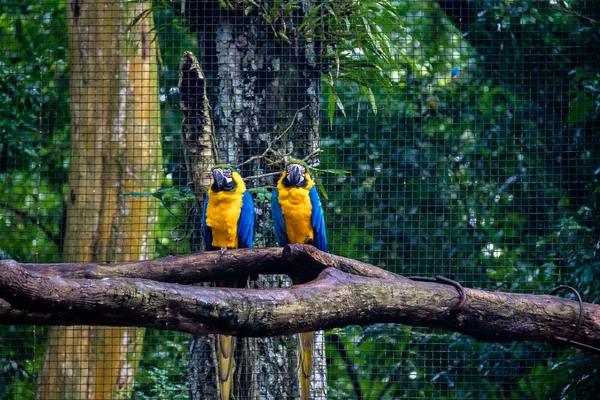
(305, 261)
(338, 297)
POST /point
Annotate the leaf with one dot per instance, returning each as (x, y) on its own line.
(331, 171)
(282, 35)
(178, 194)
(323, 192)
(262, 194)
(339, 103)
(331, 105)
(137, 194)
(579, 109)
(369, 93)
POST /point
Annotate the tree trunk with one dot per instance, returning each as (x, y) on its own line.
(264, 87)
(115, 149)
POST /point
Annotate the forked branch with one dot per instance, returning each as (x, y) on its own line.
(344, 292)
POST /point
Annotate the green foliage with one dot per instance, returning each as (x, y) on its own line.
(34, 132)
(490, 176)
(460, 176)
(34, 109)
(34, 160)
(161, 374)
(573, 251)
(395, 362)
(21, 351)
(177, 195)
(362, 47)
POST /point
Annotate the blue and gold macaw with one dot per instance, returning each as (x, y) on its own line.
(298, 218)
(227, 222)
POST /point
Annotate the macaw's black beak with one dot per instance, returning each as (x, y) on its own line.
(294, 174)
(219, 178)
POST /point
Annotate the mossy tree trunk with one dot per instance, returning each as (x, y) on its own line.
(264, 90)
(115, 149)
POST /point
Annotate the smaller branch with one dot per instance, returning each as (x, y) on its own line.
(293, 120)
(315, 260)
(32, 220)
(306, 261)
(262, 175)
(189, 269)
(248, 178)
(269, 148)
(311, 155)
(570, 12)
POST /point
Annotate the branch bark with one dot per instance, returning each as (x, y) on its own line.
(345, 292)
(305, 261)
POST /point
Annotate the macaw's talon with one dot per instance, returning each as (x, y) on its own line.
(223, 250)
(310, 241)
(446, 281)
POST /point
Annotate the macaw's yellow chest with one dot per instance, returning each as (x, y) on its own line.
(222, 215)
(297, 213)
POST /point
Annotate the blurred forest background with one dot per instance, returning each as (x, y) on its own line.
(458, 138)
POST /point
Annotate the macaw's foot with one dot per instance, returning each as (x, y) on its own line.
(223, 250)
(310, 241)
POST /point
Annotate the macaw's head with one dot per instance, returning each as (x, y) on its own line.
(223, 180)
(295, 174)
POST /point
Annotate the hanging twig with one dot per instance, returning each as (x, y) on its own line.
(269, 148)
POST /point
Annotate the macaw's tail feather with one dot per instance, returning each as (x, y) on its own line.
(226, 347)
(305, 354)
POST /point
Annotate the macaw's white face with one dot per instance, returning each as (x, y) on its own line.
(295, 175)
(223, 180)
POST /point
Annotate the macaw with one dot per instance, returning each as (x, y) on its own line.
(298, 218)
(227, 222)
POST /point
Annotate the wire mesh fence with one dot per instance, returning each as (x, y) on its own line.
(453, 138)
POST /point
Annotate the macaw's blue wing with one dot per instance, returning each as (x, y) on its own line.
(317, 220)
(278, 221)
(206, 230)
(246, 222)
